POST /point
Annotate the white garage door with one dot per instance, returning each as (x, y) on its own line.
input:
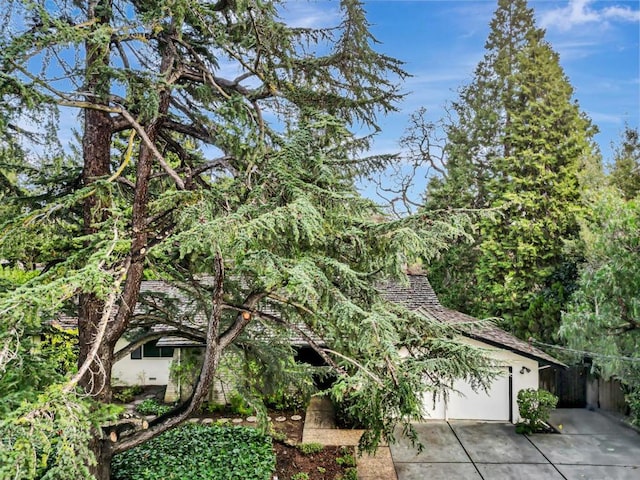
(491, 405)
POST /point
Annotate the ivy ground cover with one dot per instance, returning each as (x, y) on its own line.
(199, 452)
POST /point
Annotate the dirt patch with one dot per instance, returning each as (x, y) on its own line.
(318, 466)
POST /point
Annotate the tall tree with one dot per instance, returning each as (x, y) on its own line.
(517, 145)
(603, 317)
(183, 177)
(625, 171)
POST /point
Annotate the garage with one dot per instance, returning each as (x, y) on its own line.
(494, 404)
(519, 362)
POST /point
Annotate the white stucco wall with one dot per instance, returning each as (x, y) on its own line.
(146, 371)
(492, 405)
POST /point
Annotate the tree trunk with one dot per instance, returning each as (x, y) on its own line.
(101, 448)
(96, 150)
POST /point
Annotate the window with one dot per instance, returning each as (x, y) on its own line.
(151, 350)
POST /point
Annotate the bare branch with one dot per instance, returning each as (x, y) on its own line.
(147, 141)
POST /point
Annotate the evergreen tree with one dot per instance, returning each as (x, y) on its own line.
(625, 171)
(517, 146)
(185, 174)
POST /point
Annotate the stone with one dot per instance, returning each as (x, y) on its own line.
(296, 418)
(280, 419)
(251, 419)
(237, 420)
(207, 421)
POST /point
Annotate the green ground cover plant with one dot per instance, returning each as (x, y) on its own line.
(310, 448)
(195, 452)
(151, 406)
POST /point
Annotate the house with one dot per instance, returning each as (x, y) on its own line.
(519, 361)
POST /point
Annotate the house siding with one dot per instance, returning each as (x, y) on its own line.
(145, 371)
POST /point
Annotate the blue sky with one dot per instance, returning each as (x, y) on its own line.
(442, 41)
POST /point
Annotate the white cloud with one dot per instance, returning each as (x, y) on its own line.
(310, 15)
(580, 12)
(601, 117)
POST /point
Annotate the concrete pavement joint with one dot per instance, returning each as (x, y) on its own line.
(465, 451)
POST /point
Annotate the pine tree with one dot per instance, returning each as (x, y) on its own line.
(185, 174)
(517, 146)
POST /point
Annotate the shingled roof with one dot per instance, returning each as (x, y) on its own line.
(416, 294)
(419, 296)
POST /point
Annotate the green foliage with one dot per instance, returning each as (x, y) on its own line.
(350, 473)
(301, 250)
(516, 146)
(239, 405)
(49, 438)
(214, 407)
(535, 407)
(278, 436)
(185, 372)
(625, 171)
(300, 476)
(602, 317)
(194, 452)
(286, 399)
(47, 358)
(12, 277)
(633, 400)
(346, 460)
(127, 394)
(150, 406)
(310, 448)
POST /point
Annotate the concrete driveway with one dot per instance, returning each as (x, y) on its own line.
(592, 446)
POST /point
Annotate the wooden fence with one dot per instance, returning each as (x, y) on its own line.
(576, 387)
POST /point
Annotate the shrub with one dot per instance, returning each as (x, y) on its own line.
(535, 407)
(286, 400)
(300, 476)
(239, 405)
(126, 394)
(309, 448)
(213, 407)
(633, 400)
(151, 407)
(195, 452)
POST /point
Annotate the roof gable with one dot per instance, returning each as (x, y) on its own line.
(419, 296)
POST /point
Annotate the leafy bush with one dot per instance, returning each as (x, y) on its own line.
(633, 400)
(535, 407)
(151, 407)
(126, 394)
(195, 452)
(309, 448)
(213, 407)
(287, 400)
(239, 405)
